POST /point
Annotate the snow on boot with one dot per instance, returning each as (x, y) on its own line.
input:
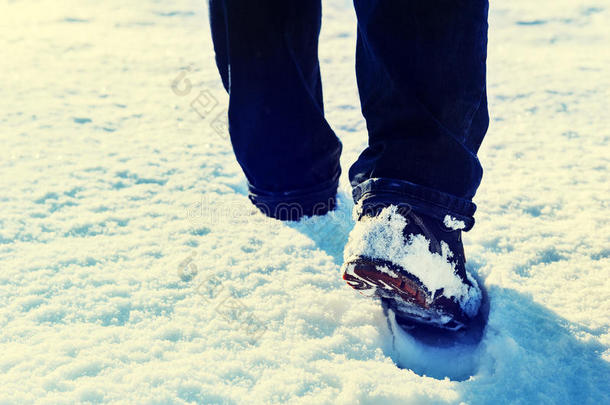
(415, 264)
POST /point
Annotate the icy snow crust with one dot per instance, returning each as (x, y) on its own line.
(381, 237)
(133, 269)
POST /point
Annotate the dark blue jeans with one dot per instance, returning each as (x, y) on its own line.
(420, 68)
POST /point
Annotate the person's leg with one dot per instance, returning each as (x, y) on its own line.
(267, 55)
(421, 76)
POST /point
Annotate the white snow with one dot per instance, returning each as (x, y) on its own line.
(112, 178)
(453, 223)
(381, 237)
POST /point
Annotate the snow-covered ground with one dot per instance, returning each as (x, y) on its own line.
(132, 268)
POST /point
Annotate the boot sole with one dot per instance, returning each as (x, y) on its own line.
(404, 294)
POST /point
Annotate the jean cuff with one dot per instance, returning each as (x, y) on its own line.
(380, 192)
(294, 204)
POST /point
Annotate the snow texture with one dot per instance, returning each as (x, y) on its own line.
(453, 223)
(381, 237)
(134, 270)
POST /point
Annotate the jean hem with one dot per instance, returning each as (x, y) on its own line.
(379, 192)
(292, 205)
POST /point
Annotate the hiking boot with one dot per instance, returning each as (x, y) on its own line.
(415, 263)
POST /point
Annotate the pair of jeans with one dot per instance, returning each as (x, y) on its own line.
(421, 73)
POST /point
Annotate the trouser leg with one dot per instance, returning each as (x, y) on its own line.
(421, 69)
(267, 56)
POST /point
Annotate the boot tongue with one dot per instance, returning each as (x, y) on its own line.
(416, 226)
